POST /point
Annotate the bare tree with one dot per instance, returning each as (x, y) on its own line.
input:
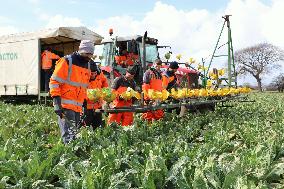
(258, 60)
(278, 82)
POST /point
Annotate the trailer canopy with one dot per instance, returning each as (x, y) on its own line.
(55, 35)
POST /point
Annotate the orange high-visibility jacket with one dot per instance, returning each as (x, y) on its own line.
(46, 59)
(152, 79)
(99, 83)
(70, 80)
(169, 80)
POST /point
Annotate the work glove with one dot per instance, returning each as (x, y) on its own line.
(57, 106)
(84, 107)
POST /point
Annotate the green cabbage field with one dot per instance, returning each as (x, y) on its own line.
(234, 147)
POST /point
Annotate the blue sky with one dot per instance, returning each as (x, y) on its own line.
(24, 14)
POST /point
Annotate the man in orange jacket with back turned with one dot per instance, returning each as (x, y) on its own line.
(68, 87)
(97, 81)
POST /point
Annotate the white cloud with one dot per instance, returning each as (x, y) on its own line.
(273, 27)
(195, 32)
(191, 33)
(4, 30)
(59, 21)
(6, 27)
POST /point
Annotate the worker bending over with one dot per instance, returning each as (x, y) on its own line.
(120, 85)
(152, 79)
(68, 87)
(97, 81)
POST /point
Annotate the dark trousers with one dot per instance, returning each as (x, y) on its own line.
(69, 125)
(94, 119)
(47, 76)
(177, 110)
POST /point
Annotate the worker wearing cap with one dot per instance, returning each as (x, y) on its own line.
(46, 65)
(169, 77)
(120, 85)
(152, 79)
(68, 87)
(97, 81)
(170, 82)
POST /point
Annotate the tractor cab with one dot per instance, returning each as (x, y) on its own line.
(138, 52)
(120, 53)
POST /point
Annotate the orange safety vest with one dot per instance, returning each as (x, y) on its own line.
(168, 81)
(70, 80)
(155, 82)
(98, 83)
(46, 59)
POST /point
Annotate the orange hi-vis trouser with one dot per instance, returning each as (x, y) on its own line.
(123, 118)
(153, 115)
(150, 116)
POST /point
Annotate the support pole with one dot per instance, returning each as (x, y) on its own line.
(113, 49)
(144, 53)
(226, 17)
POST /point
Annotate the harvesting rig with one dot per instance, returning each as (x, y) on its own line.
(191, 94)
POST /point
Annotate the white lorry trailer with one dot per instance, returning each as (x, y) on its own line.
(20, 58)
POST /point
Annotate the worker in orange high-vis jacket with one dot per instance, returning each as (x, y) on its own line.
(46, 65)
(170, 82)
(97, 81)
(120, 85)
(169, 77)
(152, 79)
(68, 87)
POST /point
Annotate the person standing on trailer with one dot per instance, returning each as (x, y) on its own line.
(126, 59)
(120, 85)
(46, 64)
(152, 79)
(97, 81)
(68, 88)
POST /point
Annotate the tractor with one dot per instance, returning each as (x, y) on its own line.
(145, 50)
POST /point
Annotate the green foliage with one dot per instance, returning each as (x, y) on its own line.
(241, 147)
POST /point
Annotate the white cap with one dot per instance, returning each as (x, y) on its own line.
(86, 46)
